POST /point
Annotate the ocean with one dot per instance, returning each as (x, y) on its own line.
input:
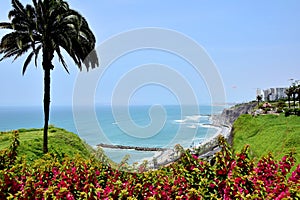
(147, 126)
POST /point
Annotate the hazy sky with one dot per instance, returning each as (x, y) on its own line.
(254, 44)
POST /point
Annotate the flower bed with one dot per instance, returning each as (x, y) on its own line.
(227, 176)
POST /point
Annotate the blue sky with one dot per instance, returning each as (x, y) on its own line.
(254, 44)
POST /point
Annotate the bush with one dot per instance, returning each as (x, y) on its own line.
(297, 111)
(9, 155)
(230, 176)
(292, 111)
(287, 112)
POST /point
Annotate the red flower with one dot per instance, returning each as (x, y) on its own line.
(221, 172)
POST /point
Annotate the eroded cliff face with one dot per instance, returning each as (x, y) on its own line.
(229, 115)
(225, 122)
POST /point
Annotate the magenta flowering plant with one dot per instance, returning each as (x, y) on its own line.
(226, 176)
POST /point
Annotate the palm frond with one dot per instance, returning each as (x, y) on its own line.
(5, 25)
(17, 5)
(36, 52)
(62, 60)
(27, 61)
(19, 10)
(65, 28)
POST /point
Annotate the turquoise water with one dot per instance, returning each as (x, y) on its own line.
(183, 125)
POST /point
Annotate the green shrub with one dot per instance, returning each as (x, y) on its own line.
(292, 111)
(231, 176)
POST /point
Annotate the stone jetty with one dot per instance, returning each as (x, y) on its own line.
(111, 146)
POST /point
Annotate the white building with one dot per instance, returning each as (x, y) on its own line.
(274, 94)
(259, 92)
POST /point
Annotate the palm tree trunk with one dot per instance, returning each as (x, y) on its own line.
(299, 97)
(46, 107)
(48, 55)
(294, 99)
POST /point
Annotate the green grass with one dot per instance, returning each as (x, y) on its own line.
(268, 133)
(60, 142)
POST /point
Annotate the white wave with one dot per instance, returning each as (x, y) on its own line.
(180, 121)
(189, 119)
(193, 118)
(193, 126)
(206, 126)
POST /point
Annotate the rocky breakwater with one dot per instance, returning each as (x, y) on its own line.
(111, 146)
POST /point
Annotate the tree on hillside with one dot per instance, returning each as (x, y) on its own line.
(258, 98)
(49, 26)
(298, 94)
(289, 93)
(294, 92)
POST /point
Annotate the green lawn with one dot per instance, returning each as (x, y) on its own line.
(60, 142)
(268, 133)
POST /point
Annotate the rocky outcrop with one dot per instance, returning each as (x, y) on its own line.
(229, 115)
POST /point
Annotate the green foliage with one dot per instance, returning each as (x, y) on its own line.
(48, 26)
(280, 106)
(9, 155)
(61, 143)
(268, 133)
(292, 111)
(230, 176)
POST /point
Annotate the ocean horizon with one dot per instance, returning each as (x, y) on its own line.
(184, 125)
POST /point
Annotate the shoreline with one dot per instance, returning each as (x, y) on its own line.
(169, 156)
(166, 156)
(223, 130)
(223, 122)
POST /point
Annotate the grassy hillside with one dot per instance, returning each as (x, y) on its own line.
(268, 133)
(61, 142)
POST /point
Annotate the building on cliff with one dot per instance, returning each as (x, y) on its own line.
(273, 94)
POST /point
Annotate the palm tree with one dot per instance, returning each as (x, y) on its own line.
(298, 94)
(289, 93)
(48, 27)
(294, 92)
(258, 98)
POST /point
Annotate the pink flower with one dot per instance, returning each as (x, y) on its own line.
(70, 196)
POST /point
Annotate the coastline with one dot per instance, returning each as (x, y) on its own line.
(223, 130)
(169, 156)
(223, 122)
(166, 156)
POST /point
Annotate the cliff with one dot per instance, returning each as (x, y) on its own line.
(229, 115)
